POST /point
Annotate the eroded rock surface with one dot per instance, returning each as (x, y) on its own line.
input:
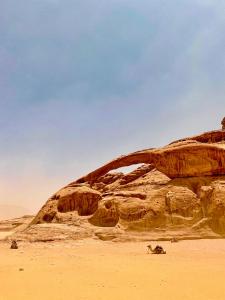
(178, 191)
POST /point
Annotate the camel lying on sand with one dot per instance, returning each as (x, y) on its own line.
(157, 250)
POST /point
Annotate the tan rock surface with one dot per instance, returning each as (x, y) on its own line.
(223, 124)
(178, 191)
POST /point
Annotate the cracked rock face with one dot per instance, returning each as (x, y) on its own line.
(179, 188)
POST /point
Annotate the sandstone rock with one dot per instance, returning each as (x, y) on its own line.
(139, 172)
(109, 178)
(106, 216)
(223, 124)
(82, 199)
(216, 208)
(198, 156)
(178, 192)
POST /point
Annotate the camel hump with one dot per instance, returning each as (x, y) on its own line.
(158, 247)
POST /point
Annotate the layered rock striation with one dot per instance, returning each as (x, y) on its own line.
(179, 190)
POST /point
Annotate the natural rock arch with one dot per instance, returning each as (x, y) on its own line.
(183, 159)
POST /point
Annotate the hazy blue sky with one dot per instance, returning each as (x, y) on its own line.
(83, 81)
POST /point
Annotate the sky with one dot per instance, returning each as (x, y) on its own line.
(84, 81)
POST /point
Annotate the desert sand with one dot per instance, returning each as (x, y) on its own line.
(93, 269)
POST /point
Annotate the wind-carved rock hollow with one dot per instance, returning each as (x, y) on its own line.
(178, 191)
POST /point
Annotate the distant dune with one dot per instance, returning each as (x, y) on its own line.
(12, 211)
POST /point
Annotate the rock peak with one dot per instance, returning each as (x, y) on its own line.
(223, 123)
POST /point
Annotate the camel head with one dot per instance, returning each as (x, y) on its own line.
(150, 248)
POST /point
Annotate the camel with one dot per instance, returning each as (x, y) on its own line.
(157, 250)
(14, 245)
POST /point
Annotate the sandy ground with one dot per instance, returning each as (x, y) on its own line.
(4, 234)
(92, 269)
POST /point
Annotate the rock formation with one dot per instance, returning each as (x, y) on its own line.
(179, 191)
(223, 124)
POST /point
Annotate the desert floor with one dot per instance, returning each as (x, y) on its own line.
(92, 269)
